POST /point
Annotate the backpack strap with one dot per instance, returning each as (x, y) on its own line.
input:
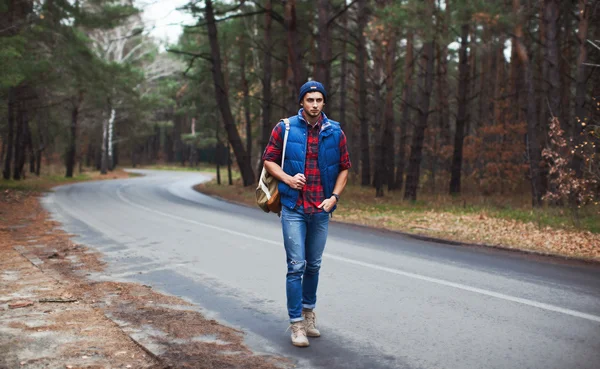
(285, 137)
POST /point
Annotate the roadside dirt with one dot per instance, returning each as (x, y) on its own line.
(53, 316)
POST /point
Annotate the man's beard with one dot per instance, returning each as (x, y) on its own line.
(310, 113)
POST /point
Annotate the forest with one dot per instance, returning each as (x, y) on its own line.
(435, 96)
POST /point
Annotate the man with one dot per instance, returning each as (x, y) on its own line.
(314, 174)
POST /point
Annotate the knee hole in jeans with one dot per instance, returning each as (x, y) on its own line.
(296, 266)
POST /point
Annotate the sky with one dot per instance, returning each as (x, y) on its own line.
(164, 16)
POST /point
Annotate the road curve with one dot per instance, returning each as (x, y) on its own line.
(385, 300)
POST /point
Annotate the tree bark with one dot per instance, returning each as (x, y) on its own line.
(566, 63)
(533, 146)
(29, 145)
(246, 93)
(105, 140)
(378, 115)
(365, 157)
(242, 158)
(344, 70)
(416, 152)
(551, 16)
(461, 116)
(266, 82)
(20, 142)
(294, 50)
(109, 142)
(389, 123)
(442, 83)
(407, 97)
(323, 72)
(72, 148)
(10, 136)
(580, 85)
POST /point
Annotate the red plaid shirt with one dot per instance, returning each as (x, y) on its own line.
(312, 194)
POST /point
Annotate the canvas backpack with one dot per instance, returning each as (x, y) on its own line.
(267, 192)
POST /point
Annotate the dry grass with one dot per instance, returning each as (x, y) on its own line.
(503, 221)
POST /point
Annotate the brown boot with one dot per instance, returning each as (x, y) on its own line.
(299, 334)
(310, 322)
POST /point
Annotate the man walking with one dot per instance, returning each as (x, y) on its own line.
(314, 175)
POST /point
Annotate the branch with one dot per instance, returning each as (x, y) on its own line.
(596, 46)
(591, 65)
(133, 34)
(274, 15)
(340, 12)
(194, 56)
(198, 25)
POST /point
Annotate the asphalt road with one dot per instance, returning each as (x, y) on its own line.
(385, 300)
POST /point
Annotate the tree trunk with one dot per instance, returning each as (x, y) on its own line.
(20, 142)
(566, 63)
(389, 123)
(533, 147)
(354, 131)
(378, 115)
(461, 116)
(442, 83)
(323, 72)
(294, 50)
(30, 149)
(484, 78)
(416, 152)
(242, 158)
(365, 157)
(72, 148)
(111, 125)
(229, 177)
(551, 15)
(105, 141)
(9, 139)
(246, 93)
(580, 85)
(407, 97)
(218, 151)
(344, 70)
(266, 82)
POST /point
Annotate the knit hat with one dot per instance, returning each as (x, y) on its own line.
(312, 86)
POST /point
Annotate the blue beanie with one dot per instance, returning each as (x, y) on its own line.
(312, 86)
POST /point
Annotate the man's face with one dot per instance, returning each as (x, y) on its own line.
(313, 103)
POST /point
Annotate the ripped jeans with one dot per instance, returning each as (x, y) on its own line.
(304, 237)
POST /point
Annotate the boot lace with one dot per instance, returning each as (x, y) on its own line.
(297, 329)
(311, 319)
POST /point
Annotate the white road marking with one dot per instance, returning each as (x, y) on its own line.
(442, 282)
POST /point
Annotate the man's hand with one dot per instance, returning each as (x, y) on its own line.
(328, 204)
(297, 182)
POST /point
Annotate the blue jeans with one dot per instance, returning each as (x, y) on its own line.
(304, 237)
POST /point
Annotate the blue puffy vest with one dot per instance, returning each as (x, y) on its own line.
(295, 156)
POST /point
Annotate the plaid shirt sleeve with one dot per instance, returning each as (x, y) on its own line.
(344, 156)
(275, 146)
